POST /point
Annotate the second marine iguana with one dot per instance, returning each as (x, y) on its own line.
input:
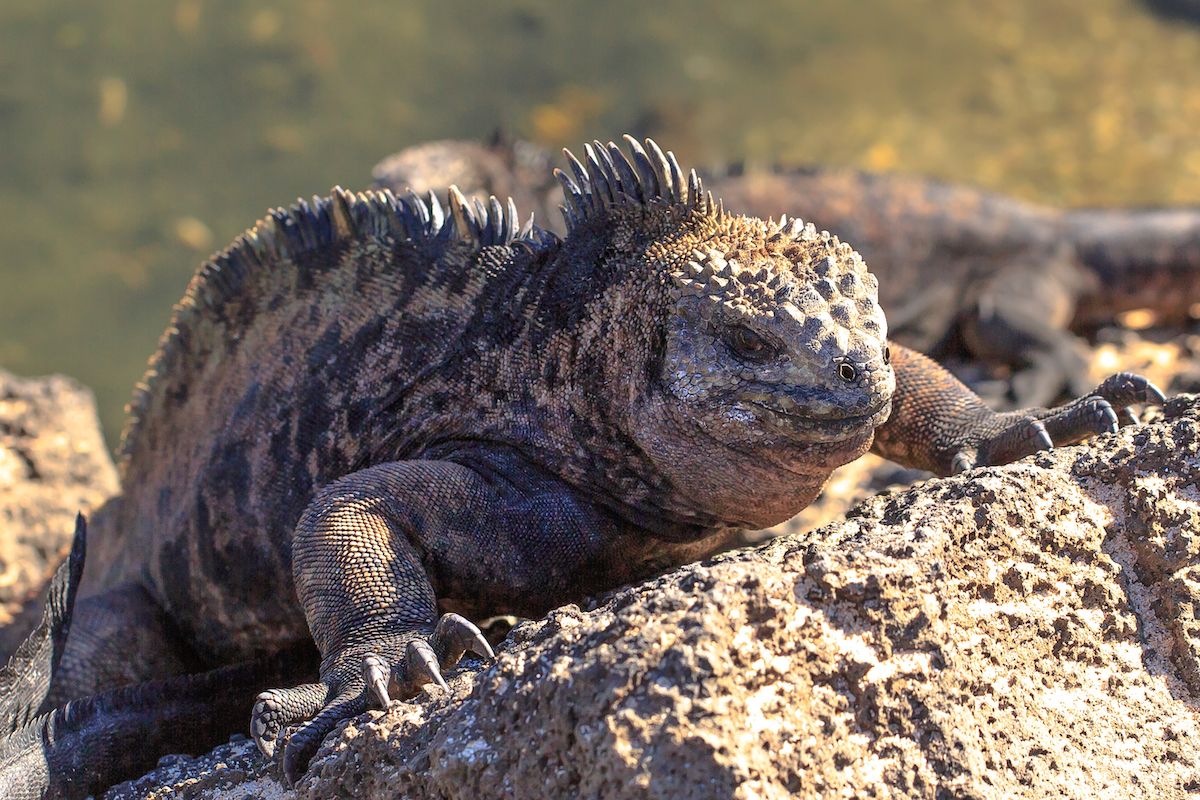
(369, 420)
(961, 271)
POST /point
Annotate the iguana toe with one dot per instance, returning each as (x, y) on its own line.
(376, 672)
(1099, 413)
(1009, 437)
(304, 743)
(420, 667)
(1038, 431)
(274, 710)
(963, 460)
(1126, 388)
(456, 635)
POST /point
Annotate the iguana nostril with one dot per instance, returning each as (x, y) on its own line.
(887, 355)
(847, 372)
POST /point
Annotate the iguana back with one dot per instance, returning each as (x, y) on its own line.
(290, 361)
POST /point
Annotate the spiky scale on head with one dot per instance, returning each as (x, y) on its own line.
(609, 180)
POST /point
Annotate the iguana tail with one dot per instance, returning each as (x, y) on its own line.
(1142, 259)
(94, 743)
(98, 741)
(25, 679)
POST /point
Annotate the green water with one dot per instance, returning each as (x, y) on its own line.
(135, 137)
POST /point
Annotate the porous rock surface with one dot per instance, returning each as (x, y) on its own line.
(53, 464)
(1022, 631)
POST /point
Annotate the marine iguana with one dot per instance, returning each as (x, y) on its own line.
(962, 272)
(369, 421)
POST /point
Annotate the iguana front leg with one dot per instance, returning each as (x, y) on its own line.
(940, 425)
(375, 550)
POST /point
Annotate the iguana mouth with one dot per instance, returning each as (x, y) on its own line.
(831, 425)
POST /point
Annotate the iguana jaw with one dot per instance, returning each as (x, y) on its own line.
(743, 464)
(779, 413)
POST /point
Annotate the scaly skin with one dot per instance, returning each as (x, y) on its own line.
(365, 423)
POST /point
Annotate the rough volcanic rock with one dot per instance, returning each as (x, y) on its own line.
(53, 464)
(1022, 631)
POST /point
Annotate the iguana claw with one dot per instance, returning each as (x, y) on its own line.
(375, 671)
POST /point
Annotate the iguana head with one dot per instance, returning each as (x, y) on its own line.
(780, 327)
(772, 363)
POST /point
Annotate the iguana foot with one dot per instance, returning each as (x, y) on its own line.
(351, 684)
(424, 661)
(1008, 437)
(1103, 411)
(274, 710)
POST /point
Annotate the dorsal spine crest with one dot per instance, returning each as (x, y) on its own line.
(283, 234)
(607, 179)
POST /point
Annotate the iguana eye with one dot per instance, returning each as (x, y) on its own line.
(748, 344)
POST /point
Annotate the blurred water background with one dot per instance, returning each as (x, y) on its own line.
(136, 137)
